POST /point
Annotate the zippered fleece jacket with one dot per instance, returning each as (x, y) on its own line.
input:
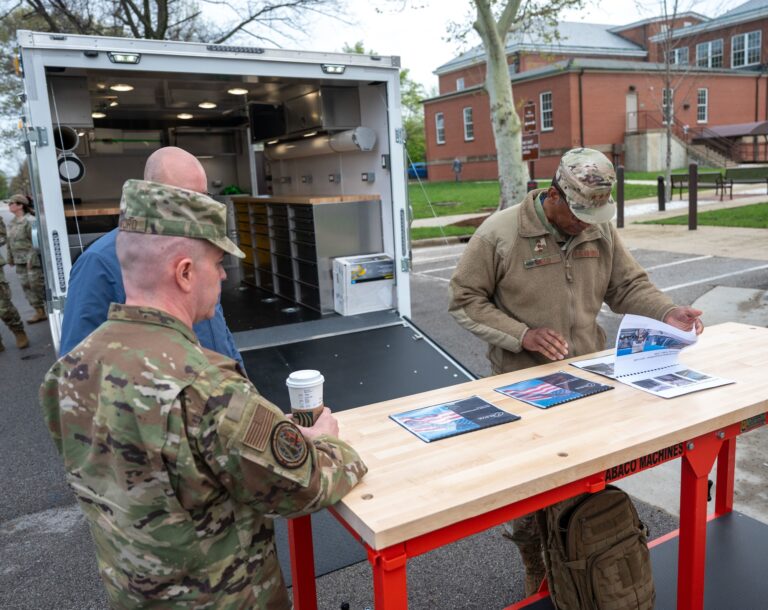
(514, 276)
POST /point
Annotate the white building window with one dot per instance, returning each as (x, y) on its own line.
(710, 54)
(702, 105)
(469, 126)
(678, 56)
(440, 128)
(667, 105)
(460, 83)
(545, 101)
(745, 49)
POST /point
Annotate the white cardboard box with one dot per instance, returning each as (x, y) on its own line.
(362, 283)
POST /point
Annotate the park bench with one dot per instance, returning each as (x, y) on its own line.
(705, 180)
(748, 175)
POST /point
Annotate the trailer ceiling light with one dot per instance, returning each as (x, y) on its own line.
(310, 134)
(124, 58)
(273, 142)
(98, 115)
(184, 116)
(333, 68)
(207, 105)
(237, 91)
(112, 104)
(122, 87)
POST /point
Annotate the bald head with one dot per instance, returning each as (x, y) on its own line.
(176, 167)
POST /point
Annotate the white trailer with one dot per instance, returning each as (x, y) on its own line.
(314, 141)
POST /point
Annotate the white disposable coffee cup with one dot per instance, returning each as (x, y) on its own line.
(305, 389)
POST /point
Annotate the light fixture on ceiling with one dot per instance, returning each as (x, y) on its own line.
(207, 105)
(121, 87)
(273, 142)
(112, 104)
(98, 115)
(101, 86)
(124, 58)
(184, 116)
(310, 134)
(237, 91)
(333, 68)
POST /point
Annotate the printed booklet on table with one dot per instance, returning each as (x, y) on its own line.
(452, 418)
(646, 357)
(551, 390)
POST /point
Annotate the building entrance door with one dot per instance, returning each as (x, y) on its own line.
(631, 112)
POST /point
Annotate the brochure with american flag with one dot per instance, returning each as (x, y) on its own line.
(551, 390)
(451, 418)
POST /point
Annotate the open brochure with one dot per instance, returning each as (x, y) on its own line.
(646, 357)
(452, 418)
(551, 390)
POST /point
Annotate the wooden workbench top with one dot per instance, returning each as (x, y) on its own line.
(92, 209)
(306, 199)
(414, 487)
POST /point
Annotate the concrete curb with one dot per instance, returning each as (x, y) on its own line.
(451, 240)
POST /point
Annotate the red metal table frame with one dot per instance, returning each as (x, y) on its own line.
(389, 564)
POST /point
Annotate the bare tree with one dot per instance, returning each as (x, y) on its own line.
(267, 20)
(495, 21)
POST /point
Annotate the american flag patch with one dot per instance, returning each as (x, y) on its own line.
(259, 428)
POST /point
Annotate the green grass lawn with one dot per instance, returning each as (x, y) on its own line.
(753, 216)
(450, 198)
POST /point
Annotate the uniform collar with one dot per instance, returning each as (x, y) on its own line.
(149, 315)
(532, 226)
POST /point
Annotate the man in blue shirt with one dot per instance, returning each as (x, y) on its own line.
(95, 280)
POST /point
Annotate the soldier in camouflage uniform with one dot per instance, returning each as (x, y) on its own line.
(177, 461)
(534, 277)
(22, 253)
(8, 312)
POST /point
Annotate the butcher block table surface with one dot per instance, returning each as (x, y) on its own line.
(413, 488)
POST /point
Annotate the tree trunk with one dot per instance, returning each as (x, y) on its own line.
(513, 173)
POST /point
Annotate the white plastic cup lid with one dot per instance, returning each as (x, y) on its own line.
(304, 379)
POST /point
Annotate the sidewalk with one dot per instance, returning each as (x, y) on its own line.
(725, 241)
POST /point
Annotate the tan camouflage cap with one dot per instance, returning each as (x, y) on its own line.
(586, 177)
(151, 207)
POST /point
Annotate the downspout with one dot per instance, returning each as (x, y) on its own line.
(757, 96)
(581, 112)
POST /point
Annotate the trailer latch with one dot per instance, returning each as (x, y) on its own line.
(38, 135)
(405, 264)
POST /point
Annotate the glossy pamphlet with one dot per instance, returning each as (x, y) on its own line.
(551, 390)
(452, 418)
(646, 357)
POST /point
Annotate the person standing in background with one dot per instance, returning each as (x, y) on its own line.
(8, 312)
(25, 257)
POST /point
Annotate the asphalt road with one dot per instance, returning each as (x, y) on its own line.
(46, 557)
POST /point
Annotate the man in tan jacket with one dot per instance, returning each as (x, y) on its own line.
(533, 278)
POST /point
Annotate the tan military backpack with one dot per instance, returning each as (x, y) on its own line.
(596, 553)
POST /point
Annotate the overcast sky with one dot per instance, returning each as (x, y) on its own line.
(417, 35)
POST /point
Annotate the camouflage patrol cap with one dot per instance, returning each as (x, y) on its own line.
(586, 177)
(160, 209)
(20, 199)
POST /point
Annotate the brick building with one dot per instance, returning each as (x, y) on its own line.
(607, 87)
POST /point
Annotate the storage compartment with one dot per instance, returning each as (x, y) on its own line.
(306, 272)
(304, 251)
(283, 265)
(328, 108)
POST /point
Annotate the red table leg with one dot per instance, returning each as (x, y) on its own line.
(390, 585)
(302, 563)
(726, 466)
(697, 462)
